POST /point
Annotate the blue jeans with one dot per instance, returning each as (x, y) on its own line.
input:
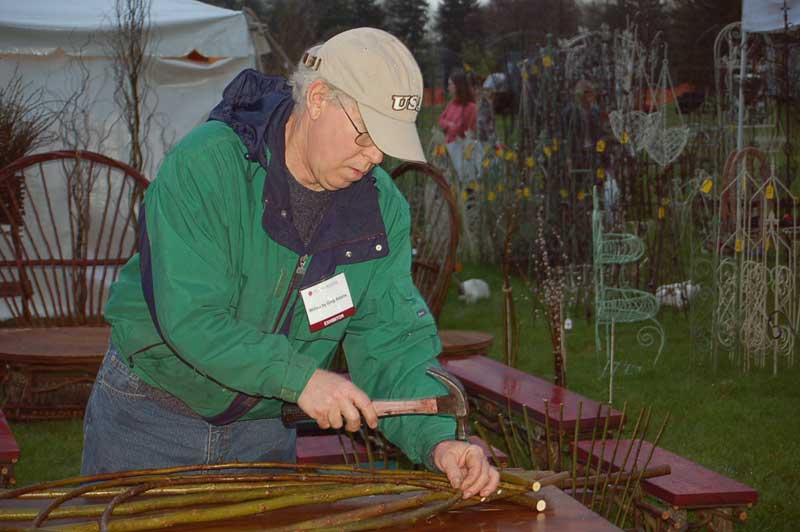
(125, 429)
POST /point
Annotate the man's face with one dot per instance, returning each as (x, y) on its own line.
(335, 160)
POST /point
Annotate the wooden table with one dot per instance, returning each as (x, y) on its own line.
(9, 453)
(48, 372)
(565, 515)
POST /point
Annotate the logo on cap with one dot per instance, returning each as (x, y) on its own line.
(403, 103)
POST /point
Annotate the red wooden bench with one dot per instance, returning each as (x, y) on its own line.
(688, 487)
(9, 453)
(497, 382)
(327, 449)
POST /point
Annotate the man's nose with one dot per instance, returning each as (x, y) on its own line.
(373, 154)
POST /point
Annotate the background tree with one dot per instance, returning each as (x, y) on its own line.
(406, 19)
(457, 23)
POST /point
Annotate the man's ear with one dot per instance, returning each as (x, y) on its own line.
(315, 98)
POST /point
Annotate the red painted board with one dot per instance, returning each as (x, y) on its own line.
(326, 449)
(9, 450)
(688, 485)
(501, 383)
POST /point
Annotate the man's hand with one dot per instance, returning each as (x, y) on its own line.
(329, 397)
(466, 467)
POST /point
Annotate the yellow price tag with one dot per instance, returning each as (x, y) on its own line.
(486, 163)
(547, 61)
(770, 191)
(501, 187)
(601, 146)
(601, 172)
(526, 192)
(662, 213)
(491, 196)
(581, 195)
(707, 186)
(624, 138)
(555, 144)
(468, 151)
(739, 246)
(564, 193)
(547, 151)
(530, 162)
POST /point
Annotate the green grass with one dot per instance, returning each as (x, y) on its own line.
(745, 426)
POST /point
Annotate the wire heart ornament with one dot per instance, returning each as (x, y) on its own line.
(666, 145)
(633, 128)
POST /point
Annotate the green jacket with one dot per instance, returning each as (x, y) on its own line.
(219, 282)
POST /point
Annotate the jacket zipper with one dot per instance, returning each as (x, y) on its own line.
(297, 278)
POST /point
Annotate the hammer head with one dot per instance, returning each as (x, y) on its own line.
(454, 403)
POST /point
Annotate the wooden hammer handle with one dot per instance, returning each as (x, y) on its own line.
(291, 413)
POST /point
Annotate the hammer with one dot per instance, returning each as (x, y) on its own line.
(452, 404)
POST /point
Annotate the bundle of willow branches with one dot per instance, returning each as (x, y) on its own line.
(158, 498)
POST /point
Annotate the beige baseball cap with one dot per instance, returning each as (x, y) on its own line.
(380, 74)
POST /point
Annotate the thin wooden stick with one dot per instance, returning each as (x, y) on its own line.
(614, 454)
(407, 518)
(635, 464)
(344, 449)
(560, 435)
(599, 468)
(627, 455)
(591, 451)
(547, 433)
(575, 447)
(529, 434)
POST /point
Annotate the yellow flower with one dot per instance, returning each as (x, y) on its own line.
(547, 61)
(526, 192)
(498, 152)
(555, 144)
(601, 146)
(467, 67)
(770, 191)
(530, 162)
(474, 185)
(486, 149)
(768, 244)
(624, 138)
(601, 172)
(535, 70)
(564, 193)
(468, 151)
(440, 150)
(665, 201)
(707, 186)
(581, 195)
(491, 196)
(486, 163)
(547, 151)
(464, 195)
(501, 187)
(509, 155)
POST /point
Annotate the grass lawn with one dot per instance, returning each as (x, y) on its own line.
(743, 426)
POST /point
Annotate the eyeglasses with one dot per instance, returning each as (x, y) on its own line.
(362, 139)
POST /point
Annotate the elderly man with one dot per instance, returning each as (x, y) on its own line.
(270, 235)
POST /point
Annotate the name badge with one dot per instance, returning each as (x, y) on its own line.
(327, 302)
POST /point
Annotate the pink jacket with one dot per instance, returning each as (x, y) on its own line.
(457, 119)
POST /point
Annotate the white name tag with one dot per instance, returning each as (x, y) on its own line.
(327, 302)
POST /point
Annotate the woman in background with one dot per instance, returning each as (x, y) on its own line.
(459, 116)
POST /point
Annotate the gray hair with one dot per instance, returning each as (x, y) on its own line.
(302, 78)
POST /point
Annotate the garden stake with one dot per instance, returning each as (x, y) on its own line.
(635, 464)
(547, 432)
(344, 449)
(483, 436)
(614, 454)
(512, 452)
(647, 462)
(516, 437)
(591, 452)
(367, 444)
(625, 462)
(602, 455)
(529, 434)
(356, 460)
(575, 449)
(560, 435)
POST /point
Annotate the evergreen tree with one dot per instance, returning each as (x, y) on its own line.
(458, 24)
(406, 19)
(367, 13)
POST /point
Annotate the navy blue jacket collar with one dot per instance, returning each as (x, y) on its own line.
(257, 107)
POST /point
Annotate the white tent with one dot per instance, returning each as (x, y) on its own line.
(63, 46)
